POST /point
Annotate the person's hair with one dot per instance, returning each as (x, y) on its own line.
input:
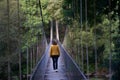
(54, 42)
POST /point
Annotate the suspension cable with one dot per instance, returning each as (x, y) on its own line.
(8, 48)
(37, 56)
(31, 59)
(27, 62)
(78, 52)
(20, 67)
(30, 37)
(110, 55)
(41, 17)
(95, 46)
(27, 57)
(86, 24)
(34, 56)
(51, 31)
(39, 8)
(81, 35)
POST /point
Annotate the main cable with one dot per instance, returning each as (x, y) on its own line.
(27, 51)
(86, 24)
(81, 35)
(94, 38)
(41, 17)
(19, 51)
(8, 41)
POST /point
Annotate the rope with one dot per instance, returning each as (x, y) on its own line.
(31, 59)
(57, 31)
(86, 42)
(8, 48)
(78, 52)
(95, 47)
(51, 31)
(20, 67)
(37, 56)
(34, 55)
(41, 11)
(27, 57)
(110, 55)
(27, 62)
(41, 17)
(81, 35)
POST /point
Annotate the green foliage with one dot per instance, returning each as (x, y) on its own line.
(9, 37)
(67, 12)
(98, 32)
(54, 9)
(32, 23)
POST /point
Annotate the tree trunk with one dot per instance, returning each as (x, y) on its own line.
(27, 62)
(20, 67)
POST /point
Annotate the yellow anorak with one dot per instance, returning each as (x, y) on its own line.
(54, 50)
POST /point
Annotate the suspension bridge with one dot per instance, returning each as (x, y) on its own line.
(38, 60)
(67, 69)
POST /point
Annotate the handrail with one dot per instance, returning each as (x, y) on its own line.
(73, 71)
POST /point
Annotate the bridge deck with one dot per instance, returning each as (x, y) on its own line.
(51, 74)
(67, 69)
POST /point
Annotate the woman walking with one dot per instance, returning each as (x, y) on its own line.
(54, 54)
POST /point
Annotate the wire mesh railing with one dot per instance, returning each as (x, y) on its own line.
(72, 69)
(39, 70)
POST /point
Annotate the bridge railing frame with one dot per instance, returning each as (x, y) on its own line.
(73, 74)
(42, 64)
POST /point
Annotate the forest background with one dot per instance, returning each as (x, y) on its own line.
(21, 27)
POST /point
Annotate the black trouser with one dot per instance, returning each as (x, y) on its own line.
(55, 61)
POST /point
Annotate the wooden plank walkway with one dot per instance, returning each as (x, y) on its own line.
(51, 74)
